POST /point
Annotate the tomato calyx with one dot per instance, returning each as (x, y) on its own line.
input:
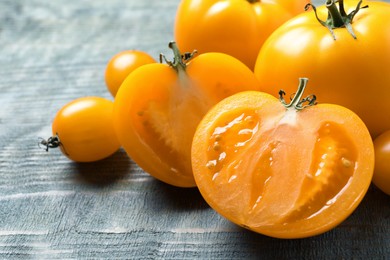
(297, 102)
(337, 17)
(253, 1)
(51, 142)
(179, 60)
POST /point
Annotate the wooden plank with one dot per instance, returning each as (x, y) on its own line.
(50, 208)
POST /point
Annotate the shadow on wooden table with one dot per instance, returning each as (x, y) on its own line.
(181, 199)
(363, 235)
(104, 172)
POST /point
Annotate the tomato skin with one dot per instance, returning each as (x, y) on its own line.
(381, 177)
(157, 109)
(350, 72)
(85, 129)
(121, 65)
(280, 173)
(234, 27)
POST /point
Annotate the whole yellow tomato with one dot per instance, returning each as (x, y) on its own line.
(381, 177)
(235, 27)
(83, 129)
(158, 107)
(121, 65)
(347, 63)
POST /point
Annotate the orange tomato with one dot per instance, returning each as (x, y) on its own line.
(84, 130)
(352, 72)
(381, 177)
(121, 65)
(283, 170)
(234, 27)
(158, 107)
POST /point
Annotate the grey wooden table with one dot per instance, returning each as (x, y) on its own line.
(52, 52)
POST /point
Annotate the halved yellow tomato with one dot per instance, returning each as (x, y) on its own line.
(159, 106)
(283, 170)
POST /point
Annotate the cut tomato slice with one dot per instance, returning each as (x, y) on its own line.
(284, 172)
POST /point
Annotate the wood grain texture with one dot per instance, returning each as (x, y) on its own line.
(50, 208)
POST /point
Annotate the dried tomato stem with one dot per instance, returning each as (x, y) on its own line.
(297, 102)
(179, 60)
(51, 142)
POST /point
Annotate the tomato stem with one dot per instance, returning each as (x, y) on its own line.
(297, 102)
(51, 142)
(179, 60)
(253, 1)
(337, 17)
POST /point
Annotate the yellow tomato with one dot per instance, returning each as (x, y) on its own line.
(84, 130)
(234, 27)
(381, 177)
(121, 65)
(159, 106)
(286, 171)
(349, 67)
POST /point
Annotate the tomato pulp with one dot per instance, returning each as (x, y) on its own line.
(285, 173)
(159, 106)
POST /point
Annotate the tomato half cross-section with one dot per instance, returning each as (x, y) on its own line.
(283, 170)
(235, 27)
(159, 106)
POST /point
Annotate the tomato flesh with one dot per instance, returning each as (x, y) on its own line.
(158, 108)
(285, 174)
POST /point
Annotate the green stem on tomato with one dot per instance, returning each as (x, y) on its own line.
(297, 102)
(336, 20)
(179, 60)
(337, 17)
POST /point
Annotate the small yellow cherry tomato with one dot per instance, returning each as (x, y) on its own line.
(84, 131)
(121, 65)
(381, 177)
